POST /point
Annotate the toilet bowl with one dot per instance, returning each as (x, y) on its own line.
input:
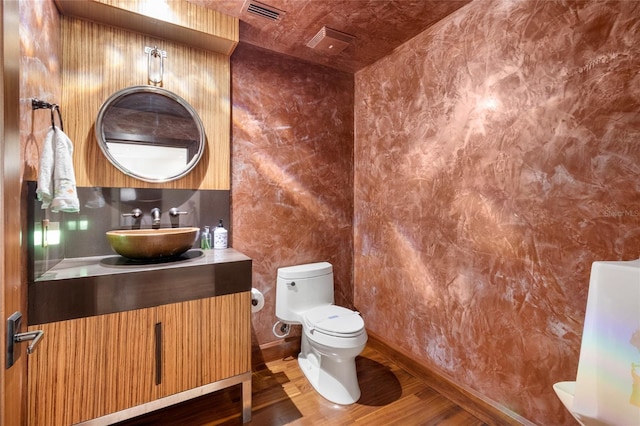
(333, 336)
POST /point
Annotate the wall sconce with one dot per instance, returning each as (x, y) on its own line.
(155, 71)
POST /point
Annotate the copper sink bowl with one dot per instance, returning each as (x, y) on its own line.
(145, 244)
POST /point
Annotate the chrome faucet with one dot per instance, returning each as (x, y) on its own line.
(136, 214)
(155, 218)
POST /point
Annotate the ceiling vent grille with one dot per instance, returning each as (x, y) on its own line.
(262, 10)
(330, 41)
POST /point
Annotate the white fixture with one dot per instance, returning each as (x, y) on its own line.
(607, 387)
(330, 41)
(566, 392)
(332, 337)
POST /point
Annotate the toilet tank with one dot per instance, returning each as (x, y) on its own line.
(302, 287)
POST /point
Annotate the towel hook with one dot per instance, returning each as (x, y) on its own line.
(38, 104)
(56, 107)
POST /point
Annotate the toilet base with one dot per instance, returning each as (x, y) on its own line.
(344, 391)
(332, 377)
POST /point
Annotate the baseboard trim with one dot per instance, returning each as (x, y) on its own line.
(279, 349)
(484, 409)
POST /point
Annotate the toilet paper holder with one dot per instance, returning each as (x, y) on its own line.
(257, 300)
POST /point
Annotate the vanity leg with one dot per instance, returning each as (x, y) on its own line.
(246, 400)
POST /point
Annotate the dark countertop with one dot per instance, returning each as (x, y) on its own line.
(112, 265)
(88, 286)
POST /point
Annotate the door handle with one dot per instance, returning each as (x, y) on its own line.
(30, 335)
(14, 322)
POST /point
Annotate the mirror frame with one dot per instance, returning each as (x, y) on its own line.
(117, 97)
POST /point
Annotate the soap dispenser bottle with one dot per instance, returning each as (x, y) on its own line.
(205, 239)
(220, 234)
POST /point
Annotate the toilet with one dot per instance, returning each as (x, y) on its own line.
(606, 390)
(332, 337)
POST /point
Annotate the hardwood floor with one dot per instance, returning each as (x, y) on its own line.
(282, 396)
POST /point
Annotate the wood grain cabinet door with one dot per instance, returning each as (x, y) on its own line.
(89, 367)
(204, 341)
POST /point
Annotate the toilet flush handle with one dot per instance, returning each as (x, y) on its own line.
(291, 284)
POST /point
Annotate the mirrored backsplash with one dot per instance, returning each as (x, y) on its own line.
(53, 237)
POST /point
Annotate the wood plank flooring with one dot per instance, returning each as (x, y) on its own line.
(282, 396)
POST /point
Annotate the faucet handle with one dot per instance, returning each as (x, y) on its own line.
(175, 212)
(135, 213)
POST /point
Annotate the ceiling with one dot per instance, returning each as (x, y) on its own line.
(379, 26)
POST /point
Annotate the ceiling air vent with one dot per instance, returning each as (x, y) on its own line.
(330, 41)
(262, 10)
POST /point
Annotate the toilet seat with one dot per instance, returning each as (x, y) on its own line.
(335, 321)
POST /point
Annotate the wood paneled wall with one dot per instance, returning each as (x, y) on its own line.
(99, 60)
(177, 20)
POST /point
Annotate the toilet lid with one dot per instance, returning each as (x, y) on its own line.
(334, 320)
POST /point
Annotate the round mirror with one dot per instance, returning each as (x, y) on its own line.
(150, 133)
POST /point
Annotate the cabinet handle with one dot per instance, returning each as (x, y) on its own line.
(158, 353)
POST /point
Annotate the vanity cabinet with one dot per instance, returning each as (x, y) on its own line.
(88, 367)
(204, 341)
(92, 367)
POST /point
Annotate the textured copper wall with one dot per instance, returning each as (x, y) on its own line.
(292, 170)
(497, 155)
(40, 76)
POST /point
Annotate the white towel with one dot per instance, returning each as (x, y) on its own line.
(56, 178)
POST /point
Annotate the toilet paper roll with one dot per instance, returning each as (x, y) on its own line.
(257, 300)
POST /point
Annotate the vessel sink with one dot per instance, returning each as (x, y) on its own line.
(146, 244)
